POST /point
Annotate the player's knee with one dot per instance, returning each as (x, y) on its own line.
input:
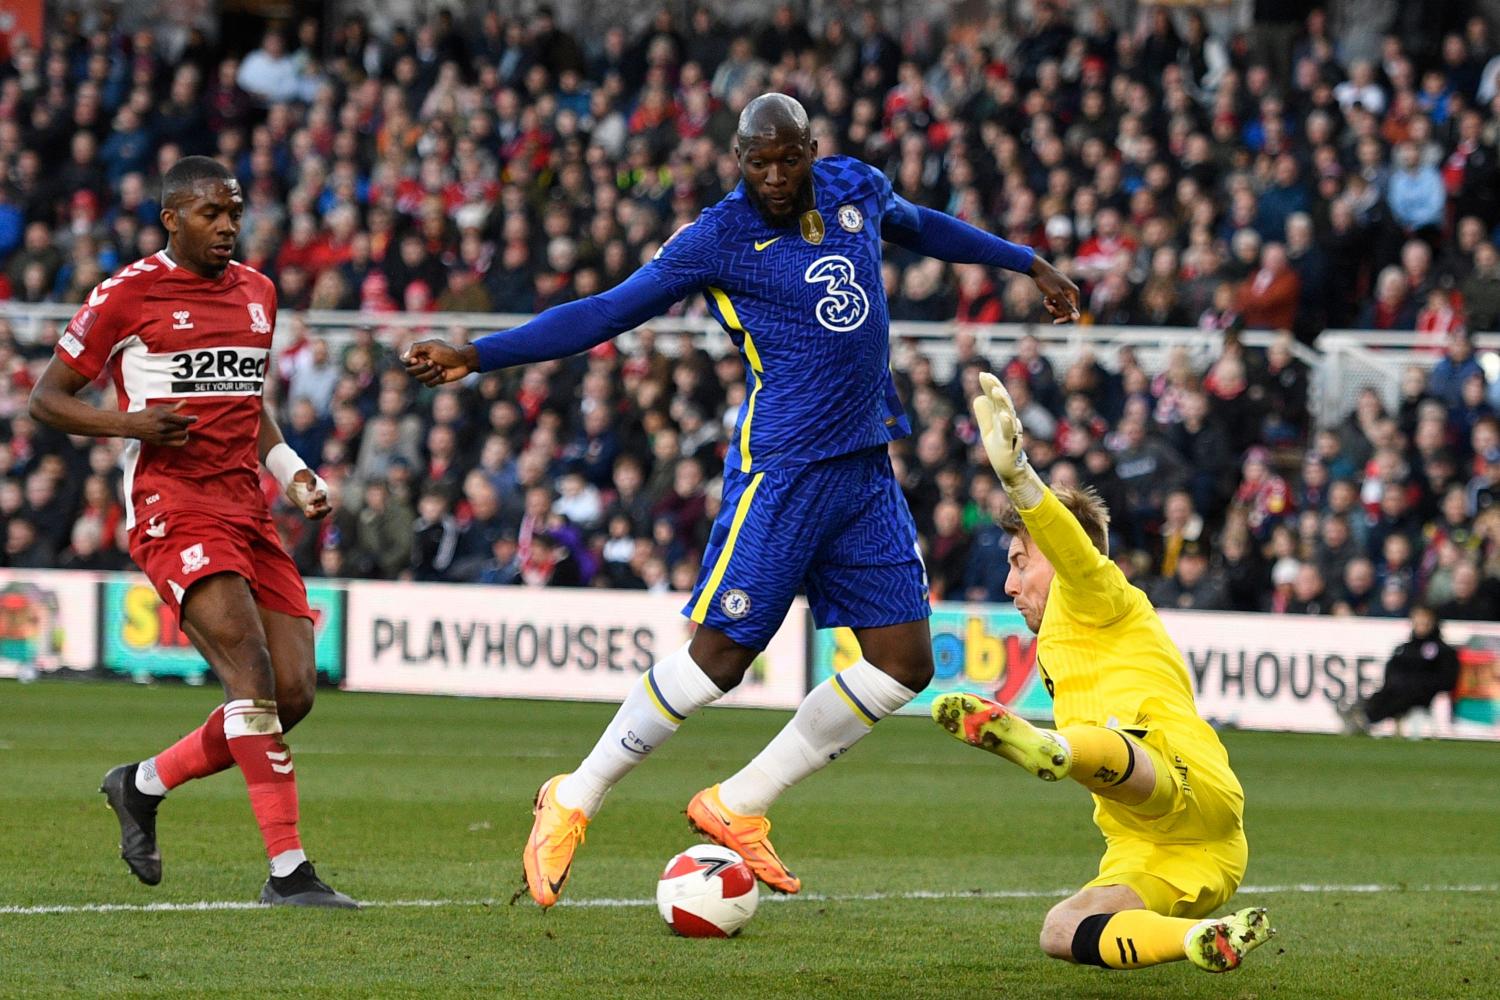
(250, 661)
(918, 675)
(726, 672)
(721, 659)
(913, 673)
(1056, 939)
(295, 704)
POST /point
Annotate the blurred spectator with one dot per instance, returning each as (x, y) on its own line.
(86, 549)
(947, 562)
(1446, 379)
(1309, 594)
(315, 376)
(989, 550)
(1484, 488)
(1193, 584)
(1392, 307)
(1147, 470)
(1268, 298)
(24, 547)
(383, 533)
(1359, 589)
(1416, 193)
(503, 568)
(1263, 496)
(269, 72)
(434, 535)
(1474, 598)
(552, 563)
(1481, 289)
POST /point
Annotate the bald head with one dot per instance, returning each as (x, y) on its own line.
(770, 117)
(776, 151)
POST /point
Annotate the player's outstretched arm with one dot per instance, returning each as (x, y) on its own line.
(934, 234)
(1079, 565)
(302, 486)
(54, 402)
(559, 332)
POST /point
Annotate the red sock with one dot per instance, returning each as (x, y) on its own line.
(202, 752)
(254, 736)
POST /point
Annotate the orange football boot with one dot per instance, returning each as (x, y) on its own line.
(747, 836)
(556, 833)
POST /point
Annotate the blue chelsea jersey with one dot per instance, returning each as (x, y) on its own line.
(810, 320)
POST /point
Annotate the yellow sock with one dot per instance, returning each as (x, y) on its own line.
(1101, 758)
(1130, 939)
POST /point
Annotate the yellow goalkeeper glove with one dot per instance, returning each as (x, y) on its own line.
(1000, 430)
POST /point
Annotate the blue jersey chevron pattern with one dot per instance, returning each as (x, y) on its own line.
(810, 320)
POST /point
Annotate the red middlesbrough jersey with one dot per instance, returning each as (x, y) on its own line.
(165, 334)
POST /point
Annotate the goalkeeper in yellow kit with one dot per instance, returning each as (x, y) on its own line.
(1165, 798)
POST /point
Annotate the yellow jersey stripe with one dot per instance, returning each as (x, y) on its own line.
(732, 321)
(749, 416)
(741, 510)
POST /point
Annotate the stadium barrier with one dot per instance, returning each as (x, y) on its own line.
(1354, 360)
(1340, 365)
(1271, 672)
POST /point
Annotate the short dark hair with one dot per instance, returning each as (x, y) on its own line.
(1083, 503)
(187, 172)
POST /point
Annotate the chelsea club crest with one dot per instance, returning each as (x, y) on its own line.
(850, 219)
(736, 604)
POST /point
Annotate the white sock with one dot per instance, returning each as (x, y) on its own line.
(146, 780)
(286, 862)
(832, 718)
(669, 692)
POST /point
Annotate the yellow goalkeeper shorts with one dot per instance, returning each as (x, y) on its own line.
(1183, 850)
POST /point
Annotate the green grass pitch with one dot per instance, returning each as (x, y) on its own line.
(1379, 861)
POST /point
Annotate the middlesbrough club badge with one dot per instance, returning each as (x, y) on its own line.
(193, 558)
(258, 321)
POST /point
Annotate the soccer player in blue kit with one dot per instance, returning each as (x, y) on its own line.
(789, 263)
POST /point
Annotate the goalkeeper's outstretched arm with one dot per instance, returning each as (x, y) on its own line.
(1080, 566)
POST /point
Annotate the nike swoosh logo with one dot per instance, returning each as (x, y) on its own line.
(556, 886)
(759, 245)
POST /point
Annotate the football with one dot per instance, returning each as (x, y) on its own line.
(707, 891)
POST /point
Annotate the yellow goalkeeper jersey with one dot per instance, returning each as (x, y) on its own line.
(1107, 660)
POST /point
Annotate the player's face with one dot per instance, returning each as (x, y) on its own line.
(778, 174)
(1028, 581)
(204, 226)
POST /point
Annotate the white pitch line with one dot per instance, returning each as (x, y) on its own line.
(1308, 888)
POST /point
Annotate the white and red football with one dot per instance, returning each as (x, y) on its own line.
(707, 891)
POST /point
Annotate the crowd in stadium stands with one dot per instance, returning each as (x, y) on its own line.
(1259, 180)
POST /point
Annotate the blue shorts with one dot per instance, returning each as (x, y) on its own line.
(840, 529)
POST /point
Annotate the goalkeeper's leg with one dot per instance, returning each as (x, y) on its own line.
(1110, 926)
(1105, 761)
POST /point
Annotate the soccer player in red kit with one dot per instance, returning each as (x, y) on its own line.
(185, 336)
